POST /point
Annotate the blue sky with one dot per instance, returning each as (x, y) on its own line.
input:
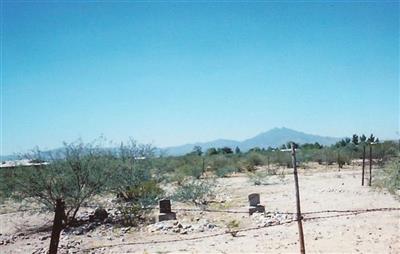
(169, 73)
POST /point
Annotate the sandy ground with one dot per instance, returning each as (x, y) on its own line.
(320, 189)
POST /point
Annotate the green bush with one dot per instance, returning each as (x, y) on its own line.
(219, 161)
(75, 174)
(224, 172)
(195, 191)
(135, 201)
(131, 213)
(144, 194)
(258, 178)
(389, 177)
(251, 160)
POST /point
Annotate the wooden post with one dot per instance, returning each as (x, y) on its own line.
(363, 166)
(202, 164)
(326, 158)
(370, 165)
(299, 217)
(57, 226)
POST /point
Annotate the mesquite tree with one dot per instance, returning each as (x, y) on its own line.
(74, 174)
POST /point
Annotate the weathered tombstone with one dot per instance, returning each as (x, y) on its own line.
(254, 200)
(165, 211)
(165, 206)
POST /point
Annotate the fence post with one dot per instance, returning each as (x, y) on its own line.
(299, 217)
(363, 166)
(57, 226)
(370, 164)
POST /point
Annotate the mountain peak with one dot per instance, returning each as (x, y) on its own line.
(274, 137)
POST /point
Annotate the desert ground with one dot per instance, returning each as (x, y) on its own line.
(322, 190)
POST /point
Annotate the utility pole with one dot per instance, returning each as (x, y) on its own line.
(299, 217)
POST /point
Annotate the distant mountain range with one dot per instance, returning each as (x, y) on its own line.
(273, 138)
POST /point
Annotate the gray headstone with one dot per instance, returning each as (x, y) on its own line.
(254, 199)
(165, 206)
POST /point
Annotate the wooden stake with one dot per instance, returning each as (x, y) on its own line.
(299, 217)
(57, 226)
(370, 165)
(363, 166)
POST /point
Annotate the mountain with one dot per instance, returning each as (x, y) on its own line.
(273, 138)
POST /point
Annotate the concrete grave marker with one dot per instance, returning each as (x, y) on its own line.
(254, 206)
(254, 199)
(165, 211)
(165, 206)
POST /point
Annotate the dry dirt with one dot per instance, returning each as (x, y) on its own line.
(321, 189)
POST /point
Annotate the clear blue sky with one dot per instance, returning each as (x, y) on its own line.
(177, 72)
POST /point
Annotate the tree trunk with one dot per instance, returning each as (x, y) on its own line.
(57, 226)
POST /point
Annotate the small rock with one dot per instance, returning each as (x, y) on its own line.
(124, 230)
(184, 232)
(99, 214)
(78, 231)
(159, 227)
(211, 226)
(43, 238)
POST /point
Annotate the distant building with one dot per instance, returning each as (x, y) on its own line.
(21, 163)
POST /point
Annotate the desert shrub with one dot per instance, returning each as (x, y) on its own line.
(224, 172)
(233, 227)
(281, 176)
(389, 177)
(225, 150)
(144, 194)
(328, 156)
(135, 201)
(7, 183)
(131, 213)
(258, 177)
(211, 151)
(74, 174)
(272, 171)
(132, 167)
(282, 159)
(198, 192)
(251, 160)
(133, 181)
(256, 159)
(219, 161)
(185, 172)
(385, 151)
